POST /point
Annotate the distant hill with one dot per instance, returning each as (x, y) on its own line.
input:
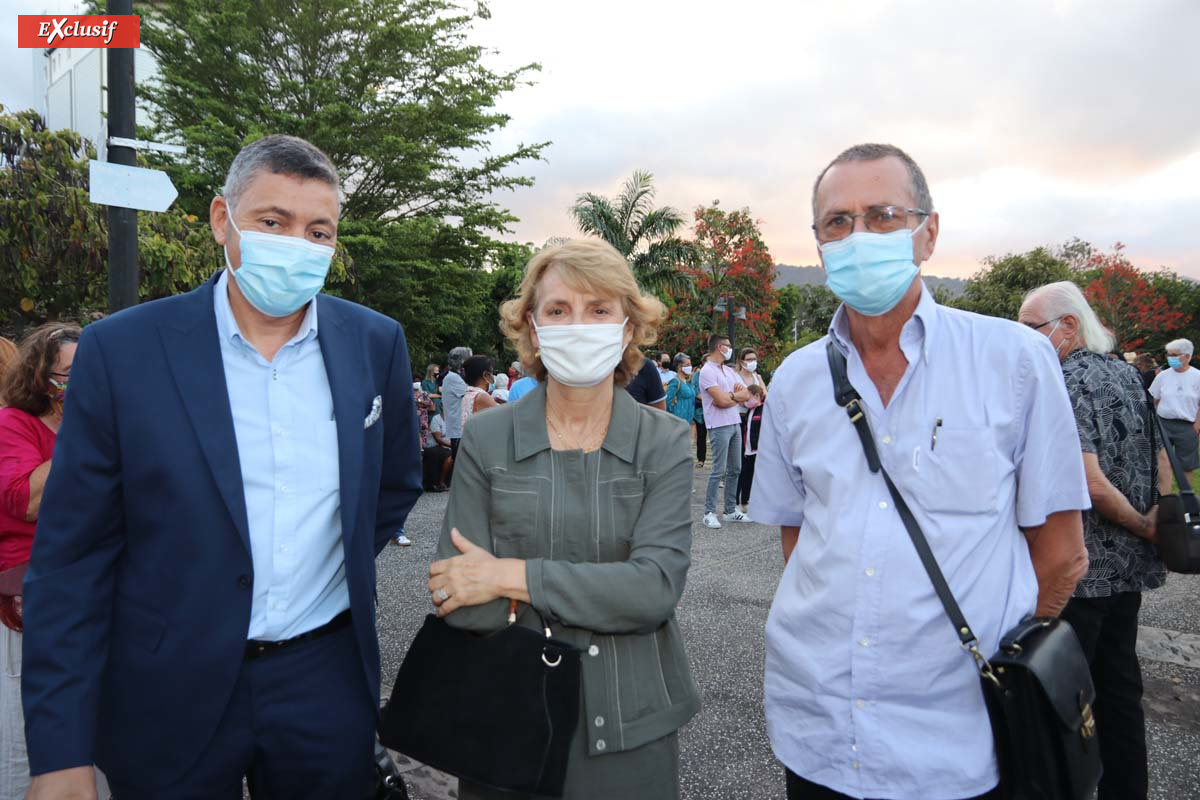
(788, 275)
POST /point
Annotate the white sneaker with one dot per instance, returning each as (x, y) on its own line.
(738, 516)
(710, 519)
(402, 540)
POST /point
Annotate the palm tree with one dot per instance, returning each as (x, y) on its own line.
(640, 232)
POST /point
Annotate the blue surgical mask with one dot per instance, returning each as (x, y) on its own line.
(1174, 362)
(870, 272)
(279, 274)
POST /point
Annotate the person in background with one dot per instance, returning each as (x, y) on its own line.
(33, 391)
(747, 372)
(1147, 368)
(1176, 393)
(753, 418)
(613, 467)
(478, 374)
(681, 392)
(647, 386)
(665, 372)
(521, 387)
(500, 393)
(436, 462)
(454, 388)
(721, 393)
(701, 429)
(1114, 422)
(430, 386)
(515, 372)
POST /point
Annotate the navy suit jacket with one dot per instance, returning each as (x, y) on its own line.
(137, 598)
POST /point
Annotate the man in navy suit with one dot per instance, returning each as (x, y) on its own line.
(200, 603)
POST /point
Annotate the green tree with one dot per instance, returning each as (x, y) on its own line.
(1182, 294)
(788, 299)
(997, 290)
(645, 235)
(54, 240)
(393, 92)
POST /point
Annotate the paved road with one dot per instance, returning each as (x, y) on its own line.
(724, 751)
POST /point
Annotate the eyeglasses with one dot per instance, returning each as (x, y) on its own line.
(1038, 326)
(876, 219)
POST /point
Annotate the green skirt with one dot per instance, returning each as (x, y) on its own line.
(649, 772)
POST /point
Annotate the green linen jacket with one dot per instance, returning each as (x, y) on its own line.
(607, 545)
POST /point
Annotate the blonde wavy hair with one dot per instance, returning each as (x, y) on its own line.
(593, 267)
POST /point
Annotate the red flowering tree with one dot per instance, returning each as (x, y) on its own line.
(1131, 306)
(731, 262)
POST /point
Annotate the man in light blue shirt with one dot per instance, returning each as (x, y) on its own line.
(868, 691)
(521, 387)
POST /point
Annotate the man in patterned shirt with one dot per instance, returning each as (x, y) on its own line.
(1115, 421)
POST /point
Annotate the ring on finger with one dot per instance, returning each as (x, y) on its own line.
(441, 594)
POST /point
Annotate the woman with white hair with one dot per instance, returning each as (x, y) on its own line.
(1176, 393)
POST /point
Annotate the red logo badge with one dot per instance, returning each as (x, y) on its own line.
(79, 30)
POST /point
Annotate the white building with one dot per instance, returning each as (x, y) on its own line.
(70, 84)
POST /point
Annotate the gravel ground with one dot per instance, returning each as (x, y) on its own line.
(724, 751)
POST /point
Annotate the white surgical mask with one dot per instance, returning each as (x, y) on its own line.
(687, 370)
(751, 366)
(581, 355)
(727, 353)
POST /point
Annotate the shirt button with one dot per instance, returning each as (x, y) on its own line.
(283, 487)
(854, 748)
(865, 642)
(243, 581)
(870, 571)
(854, 764)
(593, 651)
(600, 744)
(599, 722)
(860, 703)
(883, 504)
(887, 440)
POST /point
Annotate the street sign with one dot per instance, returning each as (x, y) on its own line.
(130, 187)
(142, 144)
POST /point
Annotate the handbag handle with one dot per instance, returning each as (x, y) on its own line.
(512, 620)
(848, 398)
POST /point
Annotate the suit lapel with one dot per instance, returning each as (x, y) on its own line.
(194, 358)
(344, 365)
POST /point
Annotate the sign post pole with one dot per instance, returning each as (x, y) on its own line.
(122, 222)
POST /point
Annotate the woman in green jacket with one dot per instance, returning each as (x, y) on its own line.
(575, 501)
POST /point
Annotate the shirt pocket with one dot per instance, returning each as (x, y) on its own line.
(515, 516)
(625, 497)
(959, 474)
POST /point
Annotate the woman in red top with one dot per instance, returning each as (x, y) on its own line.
(34, 387)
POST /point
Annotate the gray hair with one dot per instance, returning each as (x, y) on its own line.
(679, 359)
(1182, 345)
(1062, 298)
(279, 155)
(918, 187)
(457, 356)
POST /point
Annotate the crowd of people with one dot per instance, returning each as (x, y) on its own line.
(188, 595)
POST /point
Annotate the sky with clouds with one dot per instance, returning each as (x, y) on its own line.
(1035, 120)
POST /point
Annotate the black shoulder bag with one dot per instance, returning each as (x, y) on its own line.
(498, 710)
(1178, 522)
(1037, 687)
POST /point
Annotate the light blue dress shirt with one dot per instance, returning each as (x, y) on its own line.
(867, 689)
(287, 448)
(521, 387)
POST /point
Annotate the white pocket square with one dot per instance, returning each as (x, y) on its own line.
(376, 412)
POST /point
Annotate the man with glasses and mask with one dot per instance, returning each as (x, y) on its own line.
(201, 597)
(1176, 393)
(868, 691)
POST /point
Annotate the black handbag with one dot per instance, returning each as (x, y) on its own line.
(497, 710)
(1178, 524)
(389, 783)
(1037, 687)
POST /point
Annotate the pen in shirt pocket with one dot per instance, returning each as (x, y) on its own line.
(933, 435)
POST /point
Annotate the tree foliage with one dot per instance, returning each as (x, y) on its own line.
(54, 240)
(393, 92)
(1128, 303)
(733, 262)
(999, 288)
(645, 235)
